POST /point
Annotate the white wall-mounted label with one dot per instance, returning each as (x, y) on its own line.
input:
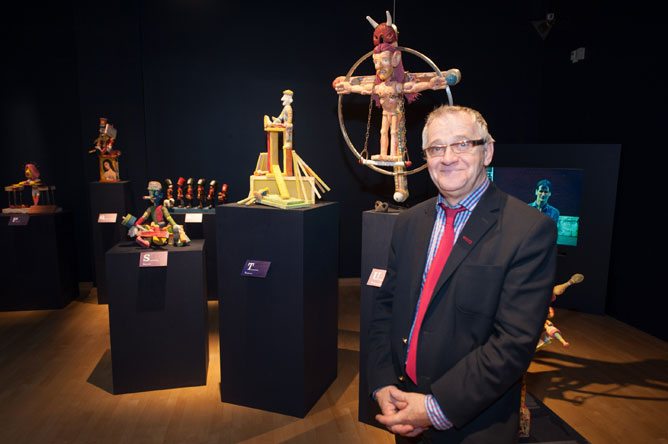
(193, 218)
(107, 218)
(376, 277)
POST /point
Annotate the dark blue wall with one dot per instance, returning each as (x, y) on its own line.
(186, 84)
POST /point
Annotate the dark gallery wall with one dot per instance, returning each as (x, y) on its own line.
(186, 84)
(40, 116)
(615, 96)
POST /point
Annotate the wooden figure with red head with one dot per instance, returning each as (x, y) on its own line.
(390, 88)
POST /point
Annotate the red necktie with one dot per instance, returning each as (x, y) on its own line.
(435, 269)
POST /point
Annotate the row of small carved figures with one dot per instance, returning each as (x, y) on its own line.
(189, 194)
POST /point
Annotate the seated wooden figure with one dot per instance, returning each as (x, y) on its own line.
(156, 226)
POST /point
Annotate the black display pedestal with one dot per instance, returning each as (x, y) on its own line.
(206, 229)
(278, 334)
(37, 262)
(107, 198)
(157, 318)
(376, 235)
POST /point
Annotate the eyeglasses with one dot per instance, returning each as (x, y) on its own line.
(461, 147)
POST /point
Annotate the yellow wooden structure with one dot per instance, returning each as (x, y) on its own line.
(294, 185)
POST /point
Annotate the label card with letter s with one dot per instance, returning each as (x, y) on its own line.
(193, 218)
(376, 277)
(107, 218)
(18, 219)
(153, 259)
(255, 268)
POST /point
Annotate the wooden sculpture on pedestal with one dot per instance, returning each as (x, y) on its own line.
(389, 89)
(42, 195)
(107, 155)
(295, 185)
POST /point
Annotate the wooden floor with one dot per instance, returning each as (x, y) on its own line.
(611, 385)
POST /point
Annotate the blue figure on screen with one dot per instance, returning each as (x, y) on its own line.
(543, 193)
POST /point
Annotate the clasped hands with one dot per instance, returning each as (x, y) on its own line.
(403, 413)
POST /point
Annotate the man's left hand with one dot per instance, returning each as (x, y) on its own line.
(411, 419)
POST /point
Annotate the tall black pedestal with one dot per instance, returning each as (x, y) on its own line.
(157, 318)
(278, 334)
(37, 262)
(204, 230)
(107, 198)
(376, 235)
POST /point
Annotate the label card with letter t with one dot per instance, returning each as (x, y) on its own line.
(255, 268)
(107, 218)
(376, 277)
(18, 219)
(153, 259)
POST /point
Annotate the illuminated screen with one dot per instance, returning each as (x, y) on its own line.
(555, 192)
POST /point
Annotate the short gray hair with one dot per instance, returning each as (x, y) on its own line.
(444, 110)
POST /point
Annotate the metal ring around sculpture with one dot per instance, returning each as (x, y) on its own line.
(340, 112)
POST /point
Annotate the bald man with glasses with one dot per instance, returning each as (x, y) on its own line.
(467, 289)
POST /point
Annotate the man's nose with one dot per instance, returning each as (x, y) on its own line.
(449, 156)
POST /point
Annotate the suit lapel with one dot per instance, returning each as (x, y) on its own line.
(484, 217)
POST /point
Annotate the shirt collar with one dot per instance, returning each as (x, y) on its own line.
(470, 201)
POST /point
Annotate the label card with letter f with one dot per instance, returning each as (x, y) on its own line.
(18, 219)
(153, 259)
(376, 277)
(255, 268)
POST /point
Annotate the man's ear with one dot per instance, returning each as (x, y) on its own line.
(488, 153)
(396, 58)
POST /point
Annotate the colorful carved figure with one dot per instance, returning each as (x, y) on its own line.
(201, 183)
(104, 142)
(179, 192)
(284, 119)
(32, 176)
(550, 333)
(222, 196)
(389, 88)
(107, 155)
(169, 200)
(38, 188)
(189, 192)
(211, 194)
(293, 185)
(156, 226)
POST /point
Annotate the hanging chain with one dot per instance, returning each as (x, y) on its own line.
(402, 131)
(365, 152)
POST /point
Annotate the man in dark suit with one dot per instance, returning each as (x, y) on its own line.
(453, 332)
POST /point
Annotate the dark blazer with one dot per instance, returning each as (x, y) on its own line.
(483, 321)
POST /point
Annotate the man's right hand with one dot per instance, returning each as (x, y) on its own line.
(388, 405)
